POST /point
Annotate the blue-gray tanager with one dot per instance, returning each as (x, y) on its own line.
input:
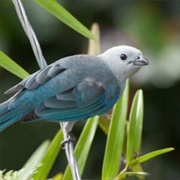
(72, 88)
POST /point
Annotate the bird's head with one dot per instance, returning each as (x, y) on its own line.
(124, 61)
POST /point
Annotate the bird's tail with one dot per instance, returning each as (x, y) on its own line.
(8, 116)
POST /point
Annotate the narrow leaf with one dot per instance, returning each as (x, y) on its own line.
(115, 137)
(137, 168)
(150, 156)
(11, 66)
(124, 175)
(63, 15)
(47, 162)
(33, 162)
(104, 124)
(135, 126)
(58, 176)
(83, 145)
(94, 46)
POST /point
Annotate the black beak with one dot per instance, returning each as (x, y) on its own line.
(141, 62)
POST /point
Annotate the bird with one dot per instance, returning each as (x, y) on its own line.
(73, 88)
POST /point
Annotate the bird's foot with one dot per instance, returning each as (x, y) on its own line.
(70, 139)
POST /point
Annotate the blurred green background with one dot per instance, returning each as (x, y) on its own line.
(152, 26)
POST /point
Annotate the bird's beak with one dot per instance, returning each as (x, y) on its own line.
(141, 62)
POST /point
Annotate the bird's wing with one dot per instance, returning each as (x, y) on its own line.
(42, 76)
(38, 78)
(87, 99)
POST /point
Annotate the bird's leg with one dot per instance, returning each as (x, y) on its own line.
(69, 150)
(69, 136)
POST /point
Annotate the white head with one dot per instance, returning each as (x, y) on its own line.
(124, 61)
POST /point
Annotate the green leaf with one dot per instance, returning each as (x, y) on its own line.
(94, 46)
(47, 162)
(58, 176)
(149, 156)
(115, 137)
(11, 66)
(135, 126)
(124, 175)
(83, 145)
(63, 15)
(94, 49)
(137, 168)
(33, 162)
(104, 124)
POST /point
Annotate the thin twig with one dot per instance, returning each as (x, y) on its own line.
(42, 64)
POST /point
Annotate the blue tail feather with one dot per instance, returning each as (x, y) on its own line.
(7, 116)
(4, 107)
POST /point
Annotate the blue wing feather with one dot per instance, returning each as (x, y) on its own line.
(65, 110)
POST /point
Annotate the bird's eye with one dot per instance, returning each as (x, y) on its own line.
(138, 57)
(123, 57)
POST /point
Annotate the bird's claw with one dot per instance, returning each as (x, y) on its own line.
(70, 139)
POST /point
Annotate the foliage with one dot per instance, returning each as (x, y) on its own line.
(62, 14)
